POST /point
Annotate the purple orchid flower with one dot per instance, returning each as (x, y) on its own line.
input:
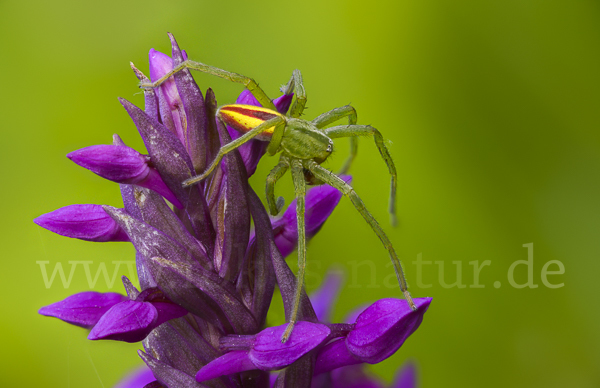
(206, 278)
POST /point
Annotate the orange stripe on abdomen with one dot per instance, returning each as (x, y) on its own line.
(244, 118)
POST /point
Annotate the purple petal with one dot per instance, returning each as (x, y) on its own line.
(196, 121)
(383, 327)
(136, 379)
(84, 309)
(320, 203)
(132, 321)
(128, 321)
(406, 377)
(85, 222)
(170, 104)
(269, 353)
(119, 164)
(232, 362)
(161, 64)
(334, 355)
(324, 298)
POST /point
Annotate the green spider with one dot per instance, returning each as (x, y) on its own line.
(304, 145)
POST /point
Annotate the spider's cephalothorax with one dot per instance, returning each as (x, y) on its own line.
(303, 145)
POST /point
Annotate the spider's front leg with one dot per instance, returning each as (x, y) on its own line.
(276, 124)
(300, 189)
(300, 93)
(335, 181)
(248, 82)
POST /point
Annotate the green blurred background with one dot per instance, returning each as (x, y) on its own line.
(492, 108)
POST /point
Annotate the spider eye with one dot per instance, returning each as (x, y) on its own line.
(329, 148)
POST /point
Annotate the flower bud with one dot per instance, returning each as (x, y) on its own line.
(383, 327)
(122, 164)
(85, 222)
(133, 320)
(84, 309)
(117, 163)
(265, 350)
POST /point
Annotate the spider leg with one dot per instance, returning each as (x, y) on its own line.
(333, 116)
(366, 130)
(248, 82)
(300, 93)
(276, 173)
(351, 156)
(277, 121)
(300, 188)
(335, 181)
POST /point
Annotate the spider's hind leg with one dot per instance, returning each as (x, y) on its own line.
(335, 181)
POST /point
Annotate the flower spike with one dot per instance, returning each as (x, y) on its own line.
(206, 281)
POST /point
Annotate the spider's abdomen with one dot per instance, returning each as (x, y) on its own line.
(243, 118)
